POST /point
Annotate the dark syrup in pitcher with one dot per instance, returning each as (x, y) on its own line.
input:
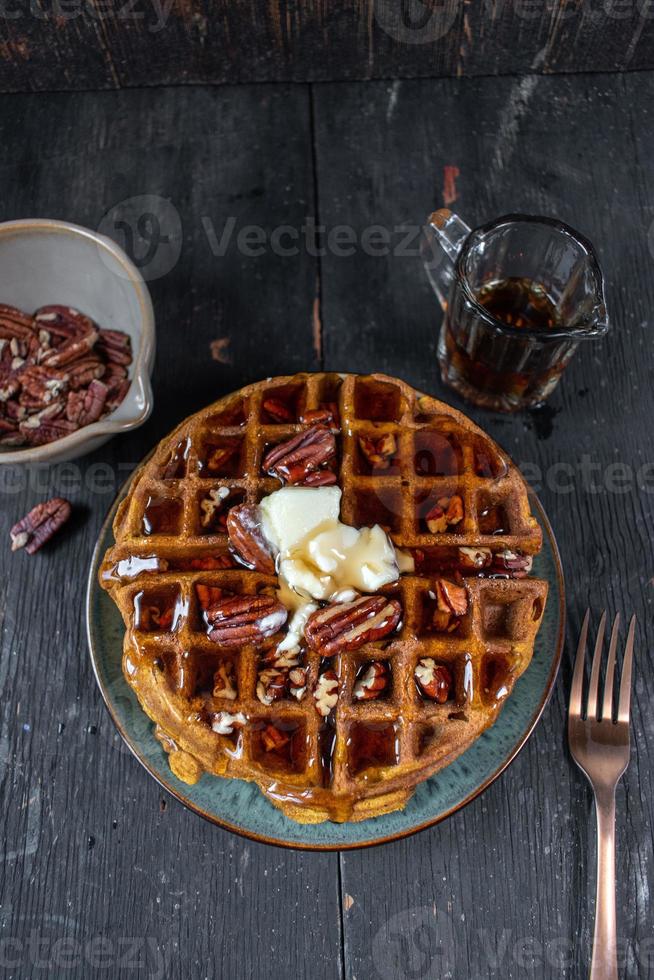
(490, 363)
(521, 303)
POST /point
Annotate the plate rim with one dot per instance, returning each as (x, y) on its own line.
(355, 845)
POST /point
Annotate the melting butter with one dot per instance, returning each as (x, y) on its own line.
(318, 557)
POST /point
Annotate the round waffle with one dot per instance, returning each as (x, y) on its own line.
(365, 756)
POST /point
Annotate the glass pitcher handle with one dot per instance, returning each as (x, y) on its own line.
(442, 240)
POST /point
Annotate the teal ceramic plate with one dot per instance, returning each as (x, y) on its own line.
(239, 806)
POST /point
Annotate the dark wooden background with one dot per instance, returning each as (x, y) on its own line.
(77, 44)
(101, 874)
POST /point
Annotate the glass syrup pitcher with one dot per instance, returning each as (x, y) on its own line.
(518, 295)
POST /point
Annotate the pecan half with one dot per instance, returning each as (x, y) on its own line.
(372, 682)
(379, 451)
(115, 346)
(433, 680)
(46, 426)
(447, 512)
(37, 527)
(244, 619)
(292, 461)
(278, 410)
(85, 407)
(247, 539)
(326, 414)
(78, 333)
(348, 625)
(326, 693)
(320, 478)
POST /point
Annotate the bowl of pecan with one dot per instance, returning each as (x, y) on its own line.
(77, 341)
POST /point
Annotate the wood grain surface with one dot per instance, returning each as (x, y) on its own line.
(101, 874)
(100, 44)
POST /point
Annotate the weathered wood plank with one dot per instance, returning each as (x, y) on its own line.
(76, 44)
(100, 871)
(504, 888)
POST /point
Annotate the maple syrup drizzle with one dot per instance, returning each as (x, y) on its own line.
(162, 515)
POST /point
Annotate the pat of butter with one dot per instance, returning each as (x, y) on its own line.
(318, 556)
(289, 515)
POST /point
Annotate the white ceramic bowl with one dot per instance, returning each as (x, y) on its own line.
(44, 262)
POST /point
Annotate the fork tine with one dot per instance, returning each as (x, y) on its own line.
(594, 673)
(607, 704)
(625, 683)
(576, 690)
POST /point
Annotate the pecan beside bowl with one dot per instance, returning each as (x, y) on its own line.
(47, 263)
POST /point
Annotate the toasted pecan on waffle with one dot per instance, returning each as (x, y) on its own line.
(338, 732)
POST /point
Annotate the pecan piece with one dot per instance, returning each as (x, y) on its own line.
(224, 724)
(278, 411)
(297, 682)
(282, 659)
(372, 682)
(451, 604)
(379, 451)
(211, 506)
(246, 537)
(273, 739)
(433, 680)
(446, 513)
(208, 595)
(208, 563)
(292, 461)
(271, 685)
(244, 619)
(223, 682)
(219, 456)
(348, 625)
(37, 527)
(513, 563)
(326, 692)
(475, 558)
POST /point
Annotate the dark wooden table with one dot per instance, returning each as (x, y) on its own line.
(101, 874)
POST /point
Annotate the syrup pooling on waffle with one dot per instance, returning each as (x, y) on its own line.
(406, 704)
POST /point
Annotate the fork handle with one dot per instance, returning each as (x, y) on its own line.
(604, 964)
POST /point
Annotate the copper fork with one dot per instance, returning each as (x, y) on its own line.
(599, 743)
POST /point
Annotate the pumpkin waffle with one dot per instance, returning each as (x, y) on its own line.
(352, 734)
